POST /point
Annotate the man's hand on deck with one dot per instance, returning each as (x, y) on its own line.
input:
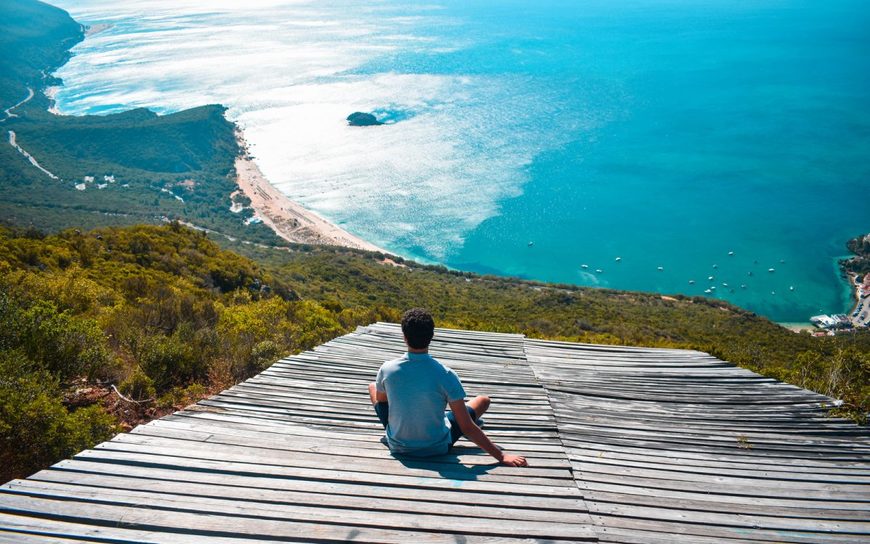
(514, 460)
(474, 433)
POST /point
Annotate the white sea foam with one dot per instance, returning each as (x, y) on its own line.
(290, 72)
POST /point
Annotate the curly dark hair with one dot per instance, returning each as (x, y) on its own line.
(418, 327)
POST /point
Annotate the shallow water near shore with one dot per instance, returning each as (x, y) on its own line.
(691, 141)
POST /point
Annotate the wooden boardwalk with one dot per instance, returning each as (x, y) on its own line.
(626, 445)
(293, 455)
(672, 446)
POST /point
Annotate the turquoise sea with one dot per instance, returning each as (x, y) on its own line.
(689, 139)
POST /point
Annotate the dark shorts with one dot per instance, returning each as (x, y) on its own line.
(383, 411)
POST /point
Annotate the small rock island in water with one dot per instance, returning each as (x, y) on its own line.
(360, 119)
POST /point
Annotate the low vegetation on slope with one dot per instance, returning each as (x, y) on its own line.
(167, 315)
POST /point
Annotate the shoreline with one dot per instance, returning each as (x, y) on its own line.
(287, 218)
(798, 326)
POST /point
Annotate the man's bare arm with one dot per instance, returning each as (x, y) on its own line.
(474, 433)
(375, 395)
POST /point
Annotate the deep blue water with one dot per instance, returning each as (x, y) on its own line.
(531, 138)
(737, 127)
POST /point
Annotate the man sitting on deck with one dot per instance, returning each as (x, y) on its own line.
(411, 393)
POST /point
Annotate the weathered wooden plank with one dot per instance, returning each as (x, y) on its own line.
(723, 448)
(690, 459)
(205, 526)
(722, 533)
(327, 447)
(22, 538)
(314, 488)
(156, 445)
(724, 486)
(432, 481)
(731, 519)
(210, 419)
(299, 512)
(699, 471)
(351, 498)
(639, 492)
(712, 503)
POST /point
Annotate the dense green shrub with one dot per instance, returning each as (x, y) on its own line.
(169, 361)
(138, 386)
(36, 430)
(62, 344)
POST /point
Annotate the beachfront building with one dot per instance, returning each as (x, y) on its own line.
(835, 321)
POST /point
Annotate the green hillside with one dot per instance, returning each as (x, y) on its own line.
(177, 166)
(35, 39)
(167, 315)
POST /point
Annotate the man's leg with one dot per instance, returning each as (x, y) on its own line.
(476, 408)
(480, 404)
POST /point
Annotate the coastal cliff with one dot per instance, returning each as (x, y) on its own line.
(860, 263)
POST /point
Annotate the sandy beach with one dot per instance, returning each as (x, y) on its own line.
(287, 218)
(798, 327)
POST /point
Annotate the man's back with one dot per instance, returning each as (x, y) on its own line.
(418, 389)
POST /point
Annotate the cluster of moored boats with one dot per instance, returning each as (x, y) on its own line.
(710, 290)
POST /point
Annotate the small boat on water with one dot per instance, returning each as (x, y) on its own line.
(713, 287)
(599, 271)
(661, 268)
(724, 284)
(743, 286)
(749, 273)
(531, 244)
(715, 266)
(730, 253)
(791, 287)
(584, 266)
(618, 259)
(710, 278)
(773, 292)
(771, 270)
(691, 282)
(707, 291)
